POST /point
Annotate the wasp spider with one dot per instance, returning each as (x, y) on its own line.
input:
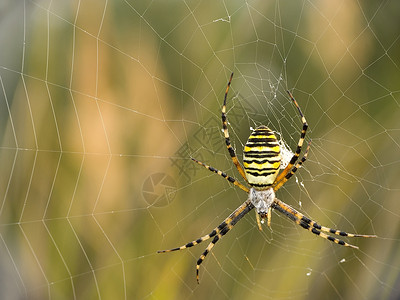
(261, 160)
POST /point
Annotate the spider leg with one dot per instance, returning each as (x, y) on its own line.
(299, 145)
(217, 233)
(312, 226)
(226, 134)
(223, 174)
(258, 221)
(228, 224)
(278, 185)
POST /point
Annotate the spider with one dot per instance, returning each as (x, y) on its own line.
(261, 160)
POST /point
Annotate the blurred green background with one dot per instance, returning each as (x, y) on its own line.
(103, 103)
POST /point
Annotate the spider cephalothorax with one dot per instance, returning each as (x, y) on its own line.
(262, 201)
(262, 160)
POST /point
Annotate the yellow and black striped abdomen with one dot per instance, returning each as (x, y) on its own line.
(261, 158)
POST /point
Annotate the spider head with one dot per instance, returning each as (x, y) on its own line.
(262, 200)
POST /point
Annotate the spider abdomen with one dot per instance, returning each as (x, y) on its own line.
(261, 158)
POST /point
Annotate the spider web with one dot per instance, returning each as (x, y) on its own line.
(104, 102)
